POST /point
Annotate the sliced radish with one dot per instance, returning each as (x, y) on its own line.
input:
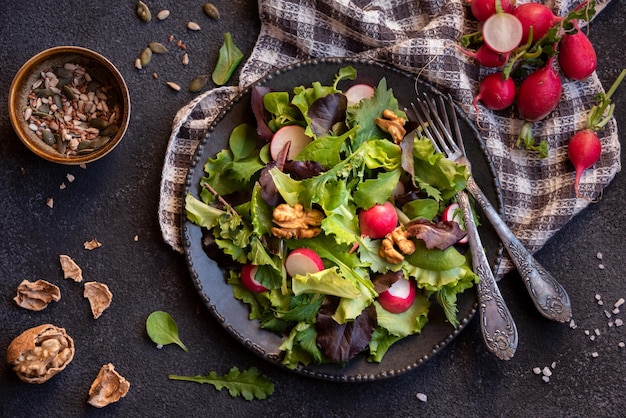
(290, 134)
(248, 272)
(378, 221)
(302, 261)
(399, 297)
(502, 32)
(359, 92)
(453, 214)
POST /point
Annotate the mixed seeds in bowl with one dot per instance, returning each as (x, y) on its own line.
(73, 108)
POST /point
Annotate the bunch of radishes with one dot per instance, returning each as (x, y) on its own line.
(522, 43)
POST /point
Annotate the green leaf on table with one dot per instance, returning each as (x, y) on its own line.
(229, 58)
(162, 329)
(248, 383)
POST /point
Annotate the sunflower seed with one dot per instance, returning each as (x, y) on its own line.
(185, 59)
(193, 26)
(143, 11)
(163, 14)
(138, 64)
(211, 11)
(173, 86)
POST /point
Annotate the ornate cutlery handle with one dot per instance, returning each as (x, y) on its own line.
(497, 325)
(550, 298)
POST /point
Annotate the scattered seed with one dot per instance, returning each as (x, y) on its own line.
(421, 397)
(157, 47)
(599, 255)
(185, 59)
(572, 324)
(198, 83)
(155, 76)
(597, 331)
(138, 64)
(601, 266)
(193, 26)
(163, 14)
(62, 186)
(70, 177)
(211, 11)
(136, 238)
(173, 86)
(145, 57)
(143, 11)
(50, 202)
(619, 303)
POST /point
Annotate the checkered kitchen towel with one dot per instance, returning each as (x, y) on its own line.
(414, 35)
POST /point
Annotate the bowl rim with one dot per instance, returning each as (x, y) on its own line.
(15, 103)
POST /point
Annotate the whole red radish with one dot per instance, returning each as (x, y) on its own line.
(577, 57)
(484, 9)
(248, 273)
(302, 261)
(584, 149)
(399, 297)
(378, 221)
(496, 92)
(486, 56)
(539, 93)
(537, 15)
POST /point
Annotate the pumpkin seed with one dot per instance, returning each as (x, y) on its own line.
(92, 85)
(48, 137)
(211, 11)
(43, 92)
(87, 146)
(157, 47)
(143, 11)
(57, 101)
(145, 57)
(193, 26)
(62, 72)
(98, 123)
(61, 145)
(67, 91)
(198, 83)
(109, 130)
(173, 86)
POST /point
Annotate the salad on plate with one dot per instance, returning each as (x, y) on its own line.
(336, 227)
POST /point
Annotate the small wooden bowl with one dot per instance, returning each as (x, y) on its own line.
(21, 95)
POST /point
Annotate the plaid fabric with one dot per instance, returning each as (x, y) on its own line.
(417, 36)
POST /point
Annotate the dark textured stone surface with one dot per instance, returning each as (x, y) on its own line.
(115, 199)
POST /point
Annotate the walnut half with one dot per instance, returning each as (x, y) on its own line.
(296, 221)
(41, 352)
(36, 296)
(108, 387)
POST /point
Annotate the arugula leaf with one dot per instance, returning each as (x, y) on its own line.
(249, 384)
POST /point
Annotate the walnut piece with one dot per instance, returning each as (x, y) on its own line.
(296, 222)
(99, 297)
(70, 269)
(39, 353)
(392, 124)
(92, 245)
(36, 296)
(396, 238)
(108, 387)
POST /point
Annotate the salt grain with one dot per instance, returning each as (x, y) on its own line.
(421, 397)
(546, 371)
(599, 256)
(596, 331)
(553, 365)
(545, 378)
(619, 303)
(621, 344)
(594, 354)
(537, 370)
(619, 322)
(598, 297)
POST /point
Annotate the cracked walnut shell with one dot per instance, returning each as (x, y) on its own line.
(108, 387)
(70, 269)
(36, 296)
(99, 297)
(41, 352)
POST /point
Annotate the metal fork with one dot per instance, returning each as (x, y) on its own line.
(497, 325)
(548, 295)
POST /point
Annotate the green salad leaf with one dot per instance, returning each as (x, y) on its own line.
(162, 329)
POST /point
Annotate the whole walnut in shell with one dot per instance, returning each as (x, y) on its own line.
(39, 353)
